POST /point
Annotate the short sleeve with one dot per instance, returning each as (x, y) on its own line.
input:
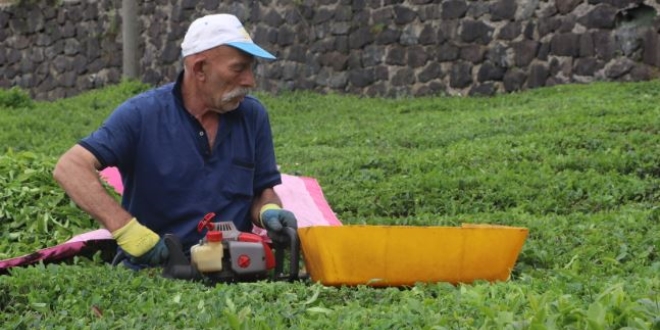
(266, 173)
(114, 142)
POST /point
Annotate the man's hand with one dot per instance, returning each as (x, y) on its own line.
(274, 219)
(142, 245)
(155, 257)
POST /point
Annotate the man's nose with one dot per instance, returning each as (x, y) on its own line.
(247, 78)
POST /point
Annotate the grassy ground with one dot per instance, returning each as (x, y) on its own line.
(579, 165)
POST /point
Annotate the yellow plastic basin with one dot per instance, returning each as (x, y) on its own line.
(405, 255)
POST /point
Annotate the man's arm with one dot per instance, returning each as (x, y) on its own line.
(267, 196)
(76, 172)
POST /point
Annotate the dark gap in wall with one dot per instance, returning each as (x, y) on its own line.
(637, 16)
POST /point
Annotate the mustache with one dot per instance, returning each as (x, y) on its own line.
(238, 92)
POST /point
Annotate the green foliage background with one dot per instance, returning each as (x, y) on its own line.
(579, 165)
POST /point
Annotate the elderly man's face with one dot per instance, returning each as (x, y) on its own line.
(230, 77)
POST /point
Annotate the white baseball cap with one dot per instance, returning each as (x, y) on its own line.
(219, 29)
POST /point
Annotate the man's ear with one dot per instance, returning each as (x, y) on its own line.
(199, 67)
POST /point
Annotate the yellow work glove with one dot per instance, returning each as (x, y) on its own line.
(141, 244)
(273, 218)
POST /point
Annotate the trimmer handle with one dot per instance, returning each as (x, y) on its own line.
(294, 256)
(178, 266)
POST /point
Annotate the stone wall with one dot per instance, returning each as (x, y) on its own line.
(369, 47)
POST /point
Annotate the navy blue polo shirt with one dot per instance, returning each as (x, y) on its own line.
(171, 178)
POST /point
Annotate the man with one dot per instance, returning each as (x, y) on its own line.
(185, 149)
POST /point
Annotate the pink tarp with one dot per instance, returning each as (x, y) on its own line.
(301, 195)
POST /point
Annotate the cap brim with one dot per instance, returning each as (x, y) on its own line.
(252, 49)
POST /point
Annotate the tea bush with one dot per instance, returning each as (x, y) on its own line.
(579, 165)
(15, 97)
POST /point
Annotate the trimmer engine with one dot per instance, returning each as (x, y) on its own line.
(228, 255)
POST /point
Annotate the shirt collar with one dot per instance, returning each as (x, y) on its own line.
(178, 95)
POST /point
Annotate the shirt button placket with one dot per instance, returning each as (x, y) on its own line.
(206, 146)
